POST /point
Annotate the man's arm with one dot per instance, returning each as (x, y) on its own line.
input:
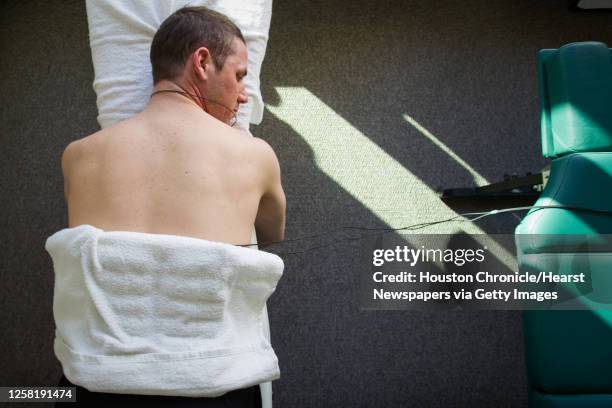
(270, 220)
(68, 158)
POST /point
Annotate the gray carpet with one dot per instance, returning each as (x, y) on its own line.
(340, 80)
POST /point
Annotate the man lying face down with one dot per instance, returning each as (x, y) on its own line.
(150, 311)
(178, 167)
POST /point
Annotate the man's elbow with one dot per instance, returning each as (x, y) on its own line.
(276, 235)
(268, 233)
(280, 236)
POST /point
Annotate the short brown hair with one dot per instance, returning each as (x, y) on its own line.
(183, 32)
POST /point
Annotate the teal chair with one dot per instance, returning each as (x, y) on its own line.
(568, 352)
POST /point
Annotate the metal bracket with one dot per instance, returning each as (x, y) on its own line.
(519, 190)
(590, 6)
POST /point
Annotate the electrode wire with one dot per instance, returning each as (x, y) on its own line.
(413, 227)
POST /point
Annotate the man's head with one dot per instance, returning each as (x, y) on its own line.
(205, 49)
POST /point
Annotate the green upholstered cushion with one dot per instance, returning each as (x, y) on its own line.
(594, 293)
(577, 180)
(570, 352)
(576, 98)
(543, 400)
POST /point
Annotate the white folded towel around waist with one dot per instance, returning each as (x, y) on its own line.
(157, 314)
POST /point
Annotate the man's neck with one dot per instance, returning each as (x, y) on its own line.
(188, 90)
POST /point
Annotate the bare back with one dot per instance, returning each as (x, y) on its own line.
(169, 170)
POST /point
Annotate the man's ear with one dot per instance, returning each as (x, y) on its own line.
(201, 61)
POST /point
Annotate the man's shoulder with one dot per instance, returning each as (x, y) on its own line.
(72, 153)
(260, 148)
(254, 146)
(77, 147)
(78, 150)
(266, 157)
(93, 141)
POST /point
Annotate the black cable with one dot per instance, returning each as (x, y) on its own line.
(413, 227)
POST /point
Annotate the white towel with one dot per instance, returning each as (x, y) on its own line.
(120, 35)
(158, 314)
